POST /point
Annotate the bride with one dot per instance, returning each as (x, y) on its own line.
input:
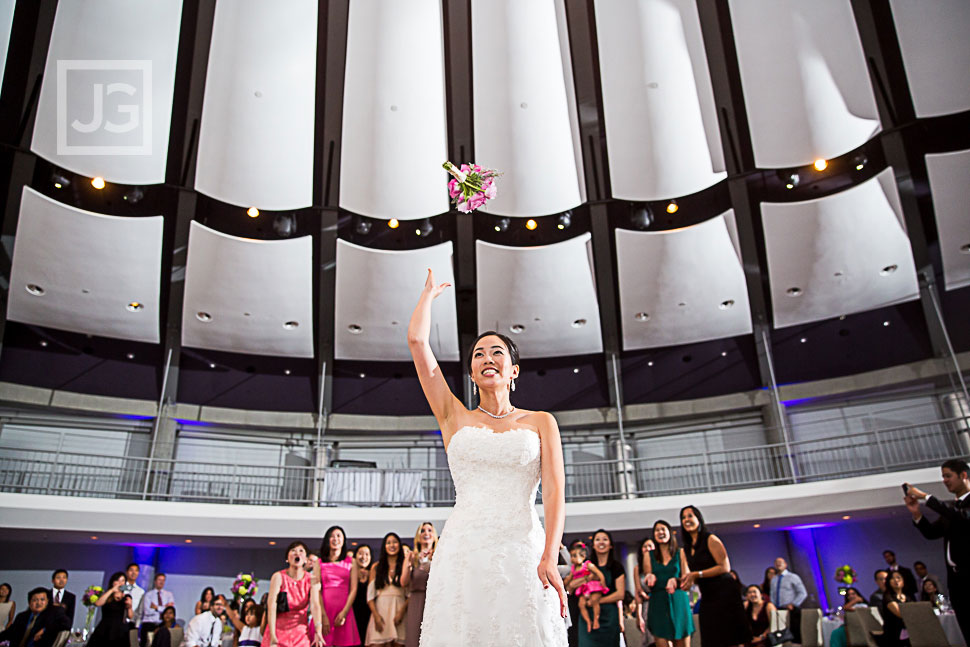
(494, 580)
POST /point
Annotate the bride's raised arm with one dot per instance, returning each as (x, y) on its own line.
(443, 402)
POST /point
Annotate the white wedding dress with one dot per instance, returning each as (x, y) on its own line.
(483, 590)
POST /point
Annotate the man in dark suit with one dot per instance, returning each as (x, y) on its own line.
(39, 625)
(909, 580)
(953, 525)
(60, 595)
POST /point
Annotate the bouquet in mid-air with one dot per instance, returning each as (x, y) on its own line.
(471, 186)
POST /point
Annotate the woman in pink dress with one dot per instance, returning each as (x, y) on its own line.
(291, 591)
(338, 583)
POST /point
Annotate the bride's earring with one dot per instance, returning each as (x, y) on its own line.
(513, 385)
(474, 388)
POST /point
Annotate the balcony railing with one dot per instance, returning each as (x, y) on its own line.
(849, 454)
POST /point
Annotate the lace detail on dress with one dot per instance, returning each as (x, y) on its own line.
(483, 589)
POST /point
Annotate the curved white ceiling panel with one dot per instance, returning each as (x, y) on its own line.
(394, 111)
(85, 272)
(106, 100)
(950, 185)
(838, 255)
(681, 286)
(376, 293)
(6, 24)
(544, 297)
(256, 137)
(661, 126)
(806, 88)
(933, 40)
(248, 296)
(522, 111)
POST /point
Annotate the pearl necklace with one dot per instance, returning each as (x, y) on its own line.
(504, 415)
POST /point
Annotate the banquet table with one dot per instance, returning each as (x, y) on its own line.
(949, 621)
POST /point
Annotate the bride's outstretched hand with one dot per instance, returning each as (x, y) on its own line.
(549, 576)
(433, 289)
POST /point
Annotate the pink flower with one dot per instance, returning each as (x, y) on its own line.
(453, 189)
(464, 168)
(490, 190)
(463, 206)
(477, 200)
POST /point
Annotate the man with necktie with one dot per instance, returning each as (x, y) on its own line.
(953, 525)
(153, 604)
(788, 592)
(205, 629)
(60, 596)
(39, 625)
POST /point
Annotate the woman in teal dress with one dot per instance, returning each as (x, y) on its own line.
(669, 616)
(608, 635)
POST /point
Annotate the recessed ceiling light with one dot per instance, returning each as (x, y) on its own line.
(860, 161)
(841, 317)
(252, 212)
(35, 289)
(502, 224)
(803, 339)
(363, 226)
(579, 323)
(517, 328)
(845, 516)
(885, 323)
(681, 304)
(355, 329)
(188, 541)
(794, 292)
(291, 325)
(723, 353)
(724, 305)
(757, 525)
(135, 306)
(130, 355)
(393, 223)
(363, 375)
(94, 536)
(531, 224)
(286, 371)
(672, 206)
(204, 317)
(965, 249)
(820, 165)
(43, 343)
(575, 370)
(212, 365)
(97, 182)
(650, 363)
(641, 316)
(889, 269)
(272, 543)
(564, 220)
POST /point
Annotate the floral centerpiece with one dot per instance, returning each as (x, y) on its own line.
(471, 185)
(245, 586)
(91, 595)
(845, 575)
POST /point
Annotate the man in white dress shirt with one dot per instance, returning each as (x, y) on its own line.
(130, 587)
(205, 629)
(788, 592)
(153, 603)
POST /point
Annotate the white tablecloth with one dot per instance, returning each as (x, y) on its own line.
(354, 486)
(948, 620)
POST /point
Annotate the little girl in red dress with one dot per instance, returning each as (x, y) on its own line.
(589, 593)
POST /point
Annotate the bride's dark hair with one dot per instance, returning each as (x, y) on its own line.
(380, 577)
(513, 349)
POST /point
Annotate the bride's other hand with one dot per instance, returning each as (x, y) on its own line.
(431, 288)
(549, 575)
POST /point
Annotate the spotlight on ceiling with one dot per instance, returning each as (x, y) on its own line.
(60, 181)
(820, 165)
(531, 224)
(641, 217)
(860, 161)
(362, 226)
(564, 220)
(284, 224)
(502, 225)
(789, 178)
(98, 182)
(134, 195)
(393, 223)
(252, 212)
(672, 206)
(424, 228)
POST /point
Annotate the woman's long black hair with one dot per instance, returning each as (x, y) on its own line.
(380, 577)
(671, 543)
(610, 558)
(210, 590)
(702, 532)
(325, 544)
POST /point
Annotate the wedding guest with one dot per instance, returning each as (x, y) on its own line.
(572, 604)
(669, 617)
(608, 635)
(643, 554)
(262, 603)
(291, 592)
(385, 597)
(362, 556)
(247, 623)
(338, 584)
(39, 624)
(721, 612)
(770, 573)
(880, 576)
(414, 578)
(116, 613)
(930, 591)
(153, 604)
(758, 612)
(591, 593)
(853, 599)
(131, 588)
(908, 578)
(205, 629)
(8, 608)
(788, 592)
(206, 600)
(60, 595)
(632, 634)
(922, 575)
(163, 634)
(892, 615)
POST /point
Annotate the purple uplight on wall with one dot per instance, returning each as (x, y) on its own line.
(807, 526)
(803, 537)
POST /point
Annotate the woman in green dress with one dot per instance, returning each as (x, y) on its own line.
(608, 634)
(669, 616)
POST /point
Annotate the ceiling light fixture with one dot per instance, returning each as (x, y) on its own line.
(355, 329)
(286, 371)
(845, 516)
(885, 323)
(291, 325)
(723, 353)
(35, 289)
(575, 370)
(204, 317)
(564, 220)
(517, 328)
(965, 249)
(424, 228)
(672, 206)
(889, 269)
(724, 305)
(362, 226)
(757, 525)
(98, 182)
(135, 306)
(363, 375)
(794, 292)
(820, 165)
(860, 161)
(94, 536)
(60, 180)
(43, 343)
(531, 224)
(130, 355)
(393, 223)
(272, 543)
(650, 363)
(212, 365)
(284, 224)
(790, 179)
(133, 195)
(803, 339)
(188, 541)
(641, 217)
(502, 225)
(252, 212)
(642, 316)
(579, 323)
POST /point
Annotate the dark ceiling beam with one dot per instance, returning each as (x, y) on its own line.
(459, 110)
(332, 21)
(583, 45)
(904, 149)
